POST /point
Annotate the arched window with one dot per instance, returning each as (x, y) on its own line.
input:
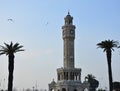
(75, 89)
(52, 89)
(86, 89)
(63, 89)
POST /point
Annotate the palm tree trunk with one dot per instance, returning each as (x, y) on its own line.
(109, 69)
(11, 69)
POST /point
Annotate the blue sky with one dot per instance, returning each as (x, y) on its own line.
(37, 26)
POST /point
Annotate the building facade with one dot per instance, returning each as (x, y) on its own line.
(68, 77)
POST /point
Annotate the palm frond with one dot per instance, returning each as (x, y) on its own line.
(10, 48)
(19, 50)
(7, 46)
(1, 53)
(16, 45)
(3, 50)
(108, 45)
(2, 47)
(11, 44)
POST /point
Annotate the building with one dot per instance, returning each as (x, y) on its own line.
(68, 77)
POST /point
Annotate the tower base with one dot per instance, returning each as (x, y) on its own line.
(68, 86)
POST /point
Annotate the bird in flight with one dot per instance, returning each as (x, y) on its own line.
(10, 19)
(47, 23)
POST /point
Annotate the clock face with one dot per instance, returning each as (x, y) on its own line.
(71, 31)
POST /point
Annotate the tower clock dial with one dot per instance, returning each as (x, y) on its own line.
(71, 31)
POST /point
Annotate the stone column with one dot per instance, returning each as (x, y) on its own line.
(68, 75)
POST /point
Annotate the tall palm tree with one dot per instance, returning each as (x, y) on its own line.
(9, 50)
(108, 46)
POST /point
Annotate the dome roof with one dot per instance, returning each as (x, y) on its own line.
(68, 17)
(53, 82)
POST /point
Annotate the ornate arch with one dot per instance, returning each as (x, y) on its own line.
(86, 89)
(75, 89)
(63, 89)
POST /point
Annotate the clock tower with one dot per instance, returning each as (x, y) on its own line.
(68, 77)
(68, 32)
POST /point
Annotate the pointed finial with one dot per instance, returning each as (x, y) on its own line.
(68, 13)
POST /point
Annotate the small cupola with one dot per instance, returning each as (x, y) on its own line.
(68, 19)
(53, 82)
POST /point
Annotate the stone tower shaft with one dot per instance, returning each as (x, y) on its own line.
(68, 32)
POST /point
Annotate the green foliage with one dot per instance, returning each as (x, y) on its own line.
(116, 86)
(93, 82)
(108, 45)
(9, 49)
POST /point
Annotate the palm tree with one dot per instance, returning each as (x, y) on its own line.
(108, 46)
(90, 76)
(9, 50)
(92, 81)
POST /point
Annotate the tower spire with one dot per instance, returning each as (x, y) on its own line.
(68, 12)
